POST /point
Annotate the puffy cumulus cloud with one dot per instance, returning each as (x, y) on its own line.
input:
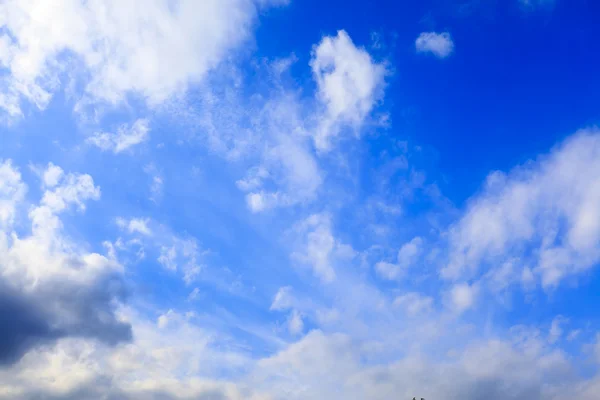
(125, 137)
(50, 287)
(167, 360)
(349, 82)
(543, 218)
(438, 44)
(52, 175)
(150, 48)
(491, 369)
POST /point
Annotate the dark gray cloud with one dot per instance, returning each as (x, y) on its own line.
(23, 326)
(60, 309)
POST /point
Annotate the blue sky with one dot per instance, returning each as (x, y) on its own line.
(272, 199)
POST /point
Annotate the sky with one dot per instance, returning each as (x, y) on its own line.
(299, 199)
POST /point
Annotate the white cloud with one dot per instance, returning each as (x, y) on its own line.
(183, 255)
(194, 294)
(12, 192)
(318, 247)
(283, 299)
(545, 213)
(414, 303)
(574, 334)
(556, 329)
(409, 253)
(286, 162)
(389, 271)
(407, 256)
(349, 85)
(52, 175)
(439, 44)
(135, 225)
(151, 48)
(295, 323)
(462, 297)
(492, 369)
(125, 137)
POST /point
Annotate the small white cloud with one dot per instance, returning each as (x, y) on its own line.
(140, 226)
(439, 44)
(349, 85)
(409, 253)
(295, 323)
(135, 225)
(125, 138)
(574, 334)
(407, 256)
(168, 257)
(194, 294)
(556, 329)
(388, 270)
(52, 175)
(318, 248)
(258, 202)
(182, 255)
(12, 192)
(414, 303)
(462, 297)
(283, 300)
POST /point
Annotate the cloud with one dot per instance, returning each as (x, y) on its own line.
(52, 175)
(414, 303)
(12, 192)
(283, 299)
(407, 256)
(23, 324)
(544, 213)
(267, 134)
(295, 323)
(153, 49)
(556, 329)
(276, 131)
(492, 369)
(462, 297)
(318, 248)
(438, 44)
(349, 85)
(51, 289)
(135, 225)
(163, 362)
(125, 137)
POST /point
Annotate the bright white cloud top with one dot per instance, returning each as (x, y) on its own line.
(438, 44)
(196, 205)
